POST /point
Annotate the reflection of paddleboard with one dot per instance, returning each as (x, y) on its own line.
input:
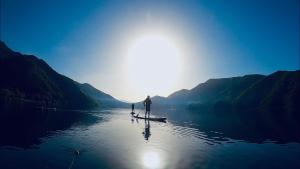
(161, 119)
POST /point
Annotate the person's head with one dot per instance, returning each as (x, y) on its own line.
(148, 97)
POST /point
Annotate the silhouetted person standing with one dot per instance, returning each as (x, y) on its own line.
(147, 104)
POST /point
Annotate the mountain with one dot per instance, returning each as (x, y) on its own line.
(157, 102)
(214, 90)
(210, 92)
(102, 99)
(224, 89)
(29, 79)
(279, 91)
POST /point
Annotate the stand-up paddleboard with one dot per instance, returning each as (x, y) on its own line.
(160, 119)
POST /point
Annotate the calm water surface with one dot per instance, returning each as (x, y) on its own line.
(112, 139)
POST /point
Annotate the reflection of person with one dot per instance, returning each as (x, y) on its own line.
(132, 120)
(147, 104)
(146, 132)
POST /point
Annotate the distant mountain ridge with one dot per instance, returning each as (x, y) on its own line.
(224, 89)
(101, 98)
(27, 78)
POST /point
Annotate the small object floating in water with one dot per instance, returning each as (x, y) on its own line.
(76, 152)
(160, 119)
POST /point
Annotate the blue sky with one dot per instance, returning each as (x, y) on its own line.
(85, 39)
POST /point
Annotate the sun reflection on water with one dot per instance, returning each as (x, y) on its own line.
(152, 160)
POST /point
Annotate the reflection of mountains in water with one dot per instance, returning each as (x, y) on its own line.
(25, 126)
(30, 125)
(217, 127)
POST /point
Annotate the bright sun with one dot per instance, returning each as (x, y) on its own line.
(154, 64)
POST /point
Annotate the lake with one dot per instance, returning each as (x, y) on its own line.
(113, 139)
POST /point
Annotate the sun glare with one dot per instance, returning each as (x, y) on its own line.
(154, 64)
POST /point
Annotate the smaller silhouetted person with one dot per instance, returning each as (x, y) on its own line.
(132, 108)
(147, 104)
